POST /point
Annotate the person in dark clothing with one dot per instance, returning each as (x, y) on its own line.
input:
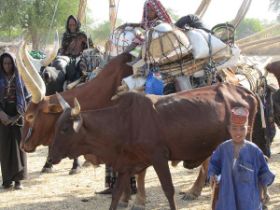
(74, 42)
(13, 102)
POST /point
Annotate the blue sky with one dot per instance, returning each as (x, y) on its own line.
(218, 12)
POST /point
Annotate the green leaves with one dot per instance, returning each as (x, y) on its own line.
(247, 27)
(35, 16)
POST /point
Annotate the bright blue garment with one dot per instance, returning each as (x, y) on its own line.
(239, 183)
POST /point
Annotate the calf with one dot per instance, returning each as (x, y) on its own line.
(139, 131)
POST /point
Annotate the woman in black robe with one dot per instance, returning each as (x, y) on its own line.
(13, 101)
(74, 41)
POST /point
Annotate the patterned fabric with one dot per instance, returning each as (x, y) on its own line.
(10, 91)
(239, 115)
(160, 11)
(21, 92)
(73, 43)
(111, 178)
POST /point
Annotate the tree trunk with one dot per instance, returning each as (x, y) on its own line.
(34, 39)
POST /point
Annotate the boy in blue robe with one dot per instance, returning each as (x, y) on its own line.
(239, 168)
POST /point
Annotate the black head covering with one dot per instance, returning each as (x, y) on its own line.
(21, 92)
(4, 55)
(77, 21)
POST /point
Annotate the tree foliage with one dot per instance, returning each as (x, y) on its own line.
(34, 16)
(101, 32)
(247, 27)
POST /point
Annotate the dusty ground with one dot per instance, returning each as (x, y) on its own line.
(60, 191)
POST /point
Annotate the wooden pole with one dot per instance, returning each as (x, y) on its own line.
(202, 8)
(241, 12)
(112, 15)
(82, 10)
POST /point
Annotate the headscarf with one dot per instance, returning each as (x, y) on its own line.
(160, 11)
(77, 22)
(68, 36)
(21, 92)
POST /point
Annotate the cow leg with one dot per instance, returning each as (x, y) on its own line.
(76, 168)
(196, 189)
(121, 183)
(48, 167)
(160, 164)
(139, 203)
(126, 195)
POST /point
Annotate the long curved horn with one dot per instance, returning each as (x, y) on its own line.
(33, 71)
(202, 8)
(77, 108)
(51, 56)
(241, 12)
(62, 102)
(29, 81)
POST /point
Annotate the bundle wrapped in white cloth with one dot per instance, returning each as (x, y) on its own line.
(201, 40)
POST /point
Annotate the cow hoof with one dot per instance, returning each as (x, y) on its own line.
(122, 204)
(47, 170)
(189, 196)
(74, 171)
(137, 207)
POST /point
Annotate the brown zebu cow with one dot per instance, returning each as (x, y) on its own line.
(139, 131)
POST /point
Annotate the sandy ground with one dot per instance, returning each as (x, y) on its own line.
(59, 191)
(62, 191)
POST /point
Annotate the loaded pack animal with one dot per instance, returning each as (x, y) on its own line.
(139, 131)
(264, 128)
(44, 108)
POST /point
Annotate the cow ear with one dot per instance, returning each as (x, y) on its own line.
(53, 109)
(77, 124)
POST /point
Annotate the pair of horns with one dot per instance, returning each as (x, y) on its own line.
(74, 111)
